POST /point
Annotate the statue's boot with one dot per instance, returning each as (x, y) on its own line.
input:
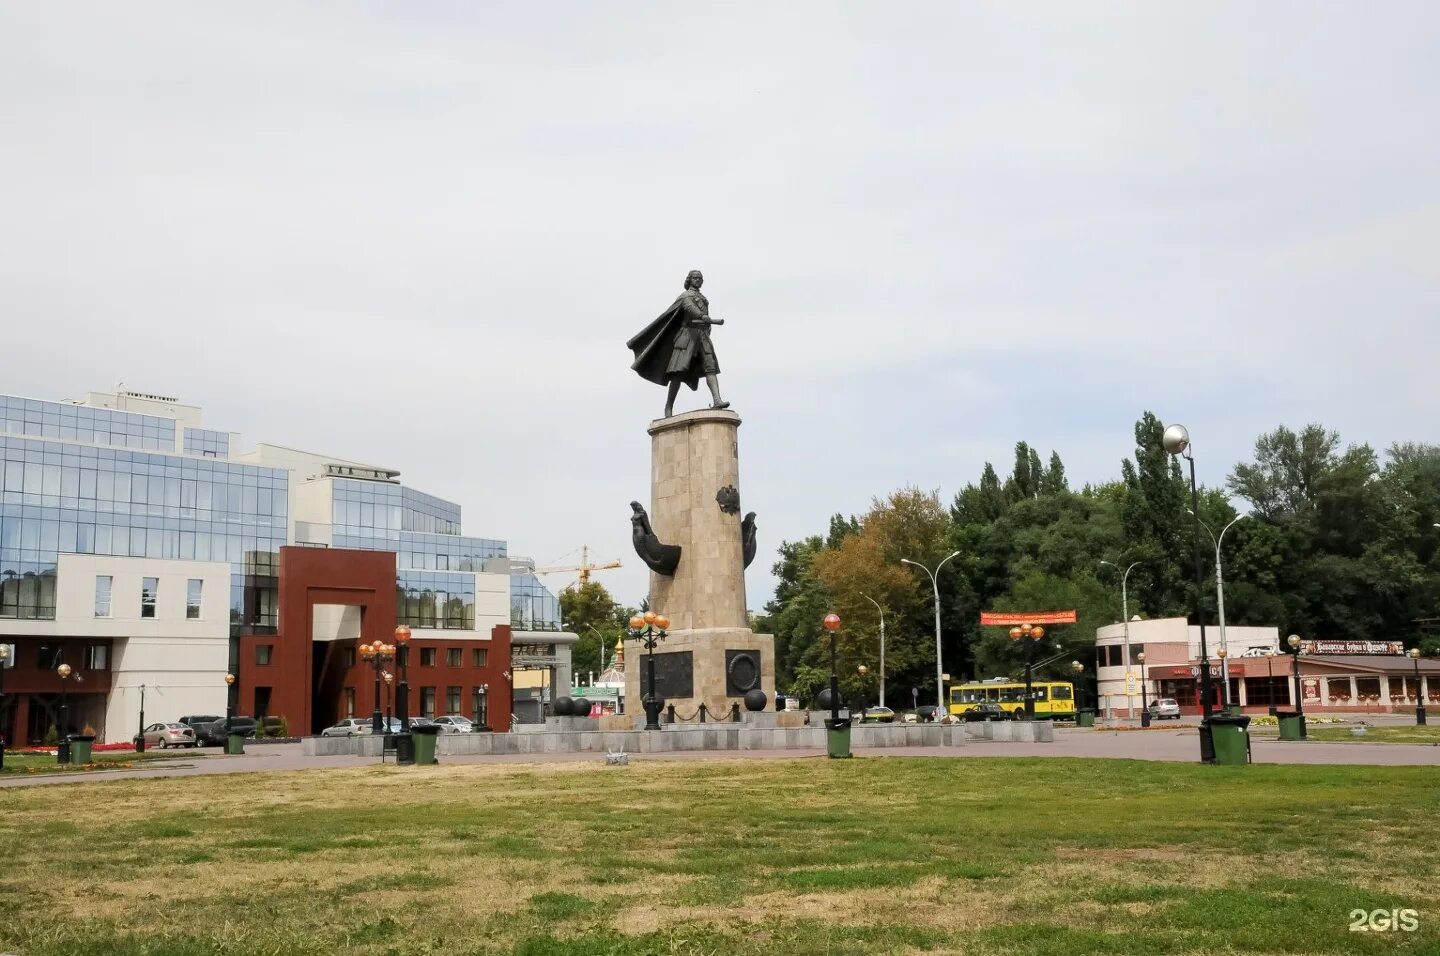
(714, 384)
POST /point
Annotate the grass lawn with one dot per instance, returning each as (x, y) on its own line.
(783, 858)
(1382, 734)
(30, 764)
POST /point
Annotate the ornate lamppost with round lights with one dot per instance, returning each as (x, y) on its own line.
(389, 698)
(832, 626)
(862, 670)
(649, 629)
(62, 750)
(1079, 670)
(402, 690)
(1294, 643)
(1177, 442)
(1414, 655)
(1032, 634)
(4, 665)
(376, 654)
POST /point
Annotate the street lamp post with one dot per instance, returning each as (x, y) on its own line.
(649, 628)
(389, 698)
(1270, 680)
(862, 670)
(4, 663)
(1294, 642)
(1177, 442)
(939, 670)
(140, 736)
(882, 645)
(376, 654)
(832, 624)
(402, 691)
(1124, 614)
(1079, 670)
(1223, 654)
(1220, 585)
(62, 750)
(1035, 634)
(1419, 697)
(1144, 692)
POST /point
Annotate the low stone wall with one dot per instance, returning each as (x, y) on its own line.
(1019, 731)
(671, 739)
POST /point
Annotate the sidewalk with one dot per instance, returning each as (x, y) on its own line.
(1173, 743)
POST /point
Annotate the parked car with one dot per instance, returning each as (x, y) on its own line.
(455, 724)
(928, 712)
(986, 710)
(879, 715)
(1164, 707)
(167, 735)
(349, 727)
(214, 733)
(196, 721)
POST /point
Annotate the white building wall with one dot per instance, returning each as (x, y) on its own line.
(182, 662)
(1170, 641)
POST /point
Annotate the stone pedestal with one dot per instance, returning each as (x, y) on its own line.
(711, 655)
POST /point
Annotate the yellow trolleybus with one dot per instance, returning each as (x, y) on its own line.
(1054, 700)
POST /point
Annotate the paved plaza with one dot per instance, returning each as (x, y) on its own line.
(1179, 743)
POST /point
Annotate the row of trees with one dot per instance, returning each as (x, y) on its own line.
(1337, 544)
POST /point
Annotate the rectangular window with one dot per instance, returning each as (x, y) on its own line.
(347, 657)
(479, 657)
(193, 589)
(452, 658)
(427, 702)
(263, 653)
(349, 702)
(97, 657)
(452, 700)
(147, 596)
(103, 584)
(481, 713)
(427, 657)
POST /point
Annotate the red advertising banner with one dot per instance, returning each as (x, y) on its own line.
(1310, 689)
(1011, 618)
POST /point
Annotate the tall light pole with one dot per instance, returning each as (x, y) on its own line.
(1220, 585)
(1294, 643)
(1124, 617)
(1034, 633)
(1144, 692)
(402, 690)
(1414, 656)
(939, 670)
(4, 663)
(1177, 442)
(882, 645)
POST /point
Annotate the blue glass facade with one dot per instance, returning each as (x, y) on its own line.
(207, 443)
(61, 496)
(85, 480)
(100, 426)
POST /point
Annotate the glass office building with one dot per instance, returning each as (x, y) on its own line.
(90, 480)
(97, 481)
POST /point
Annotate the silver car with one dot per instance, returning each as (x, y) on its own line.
(455, 724)
(349, 727)
(167, 735)
(1164, 707)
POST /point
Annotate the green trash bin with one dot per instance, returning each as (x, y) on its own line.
(1232, 709)
(80, 747)
(424, 741)
(1232, 742)
(1289, 725)
(235, 743)
(1085, 718)
(837, 737)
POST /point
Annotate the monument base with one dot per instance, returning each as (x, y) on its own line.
(714, 666)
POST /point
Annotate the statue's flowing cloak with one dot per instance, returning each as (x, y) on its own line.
(671, 348)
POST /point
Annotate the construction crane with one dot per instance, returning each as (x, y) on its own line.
(584, 567)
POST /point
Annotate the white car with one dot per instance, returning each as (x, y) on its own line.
(1163, 708)
(349, 727)
(455, 724)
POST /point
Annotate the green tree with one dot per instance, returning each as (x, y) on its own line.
(590, 612)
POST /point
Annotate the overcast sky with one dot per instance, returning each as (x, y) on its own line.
(419, 234)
